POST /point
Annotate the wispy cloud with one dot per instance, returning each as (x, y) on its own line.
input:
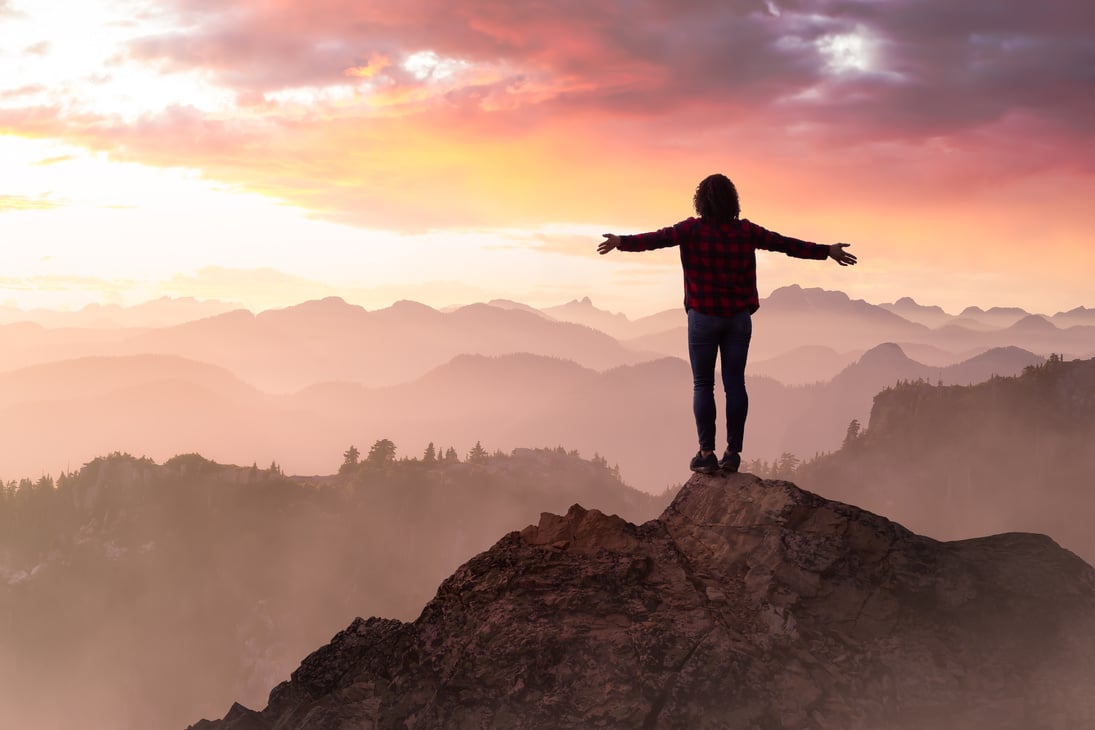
(918, 127)
(509, 112)
(19, 203)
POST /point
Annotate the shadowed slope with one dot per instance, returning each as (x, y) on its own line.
(1007, 454)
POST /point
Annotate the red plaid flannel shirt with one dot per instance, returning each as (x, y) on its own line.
(719, 260)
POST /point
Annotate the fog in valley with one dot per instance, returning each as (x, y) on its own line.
(146, 596)
(195, 496)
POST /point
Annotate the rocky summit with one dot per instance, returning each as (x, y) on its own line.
(749, 604)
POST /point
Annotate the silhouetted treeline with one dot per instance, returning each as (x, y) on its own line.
(1009, 454)
(160, 593)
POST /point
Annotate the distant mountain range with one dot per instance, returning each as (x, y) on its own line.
(793, 317)
(303, 382)
(162, 312)
(290, 349)
(58, 415)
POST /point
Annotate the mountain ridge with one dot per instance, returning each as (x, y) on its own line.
(1008, 453)
(503, 401)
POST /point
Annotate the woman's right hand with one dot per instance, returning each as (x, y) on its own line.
(611, 241)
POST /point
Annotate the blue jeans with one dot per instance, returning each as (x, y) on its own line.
(707, 337)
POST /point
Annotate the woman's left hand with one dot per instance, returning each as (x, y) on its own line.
(842, 257)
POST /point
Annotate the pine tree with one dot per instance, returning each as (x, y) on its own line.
(478, 454)
(852, 433)
(787, 465)
(382, 452)
(430, 455)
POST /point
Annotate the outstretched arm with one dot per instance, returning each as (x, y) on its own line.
(842, 257)
(662, 238)
(611, 241)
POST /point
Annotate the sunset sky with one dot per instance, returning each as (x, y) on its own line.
(269, 151)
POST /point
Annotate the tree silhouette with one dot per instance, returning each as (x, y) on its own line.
(451, 455)
(430, 456)
(852, 434)
(382, 452)
(478, 454)
(350, 458)
(787, 465)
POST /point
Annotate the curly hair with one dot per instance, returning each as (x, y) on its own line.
(716, 199)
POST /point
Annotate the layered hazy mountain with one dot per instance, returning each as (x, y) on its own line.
(159, 405)
(301, 384)
(288, 349)
(163, 312)
(138, 596)
(793, 317)
(158, 590)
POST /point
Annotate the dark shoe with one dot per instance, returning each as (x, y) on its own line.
(704, 464)
(730, 461)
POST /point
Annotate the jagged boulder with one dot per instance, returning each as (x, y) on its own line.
(748, 604)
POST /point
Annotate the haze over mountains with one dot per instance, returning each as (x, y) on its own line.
(284, 350)
(301, 384)
(139, 596)
(163, 405)
(1008, 454)
(163, 312)
(796, 317)
(253, 568)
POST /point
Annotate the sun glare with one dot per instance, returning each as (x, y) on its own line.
(76, 57)
(427, 65)
(847, 52)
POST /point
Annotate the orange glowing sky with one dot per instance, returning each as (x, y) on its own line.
(268, 151)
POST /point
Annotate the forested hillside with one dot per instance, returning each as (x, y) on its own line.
(1009, 454)
(158, 593)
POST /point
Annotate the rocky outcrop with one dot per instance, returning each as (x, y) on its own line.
(748, 604)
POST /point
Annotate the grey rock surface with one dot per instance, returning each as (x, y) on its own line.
(748, 604)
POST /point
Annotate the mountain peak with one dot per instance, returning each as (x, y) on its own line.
(748, 603)
(1033, 323)
(885, 354)
(880, 366)
(582, 530)
(313, 310)
(813, 297)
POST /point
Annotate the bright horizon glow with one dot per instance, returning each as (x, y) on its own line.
(270, 155)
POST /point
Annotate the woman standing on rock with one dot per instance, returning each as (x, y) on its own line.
(718, 255)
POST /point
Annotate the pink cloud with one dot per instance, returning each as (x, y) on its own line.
(376, 63)
(941, 68)
(578, 111)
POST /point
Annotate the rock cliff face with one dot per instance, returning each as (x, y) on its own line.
(748, 604)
